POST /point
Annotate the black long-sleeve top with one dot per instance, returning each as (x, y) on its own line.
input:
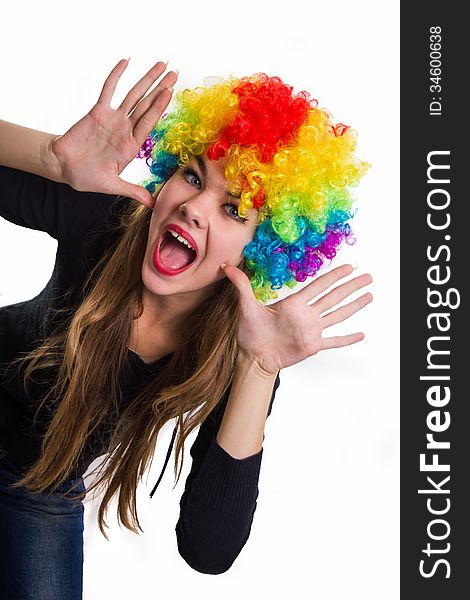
(220, 496)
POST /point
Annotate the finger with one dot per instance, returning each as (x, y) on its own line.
(141, 87)
(110, 84)
(149, 119)
(342, 340)
(242, 283)
(166, 83)
(131, 190)
(344, 312)
(323, 282)
(341, 292)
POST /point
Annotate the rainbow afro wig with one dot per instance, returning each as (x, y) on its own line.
(285, 158)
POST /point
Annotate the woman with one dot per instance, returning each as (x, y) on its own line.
(156, 309)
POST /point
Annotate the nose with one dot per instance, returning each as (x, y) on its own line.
(192, 212)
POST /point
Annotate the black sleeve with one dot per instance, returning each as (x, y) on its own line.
(219, 500)
(37, 203)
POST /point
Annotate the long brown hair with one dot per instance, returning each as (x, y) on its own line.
(89, 352)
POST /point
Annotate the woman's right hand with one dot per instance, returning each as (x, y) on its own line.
(91, 155)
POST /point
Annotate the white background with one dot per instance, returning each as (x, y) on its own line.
(326, 525)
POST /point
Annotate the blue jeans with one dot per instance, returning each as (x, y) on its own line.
(41, 541)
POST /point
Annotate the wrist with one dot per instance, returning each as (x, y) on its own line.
(29, 150)
(50, 164)
(246, 363)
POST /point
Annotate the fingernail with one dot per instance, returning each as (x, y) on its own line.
(129, 59)
(354, 266)
(170, 90)
(222, 266)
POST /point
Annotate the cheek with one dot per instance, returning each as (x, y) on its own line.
(230, 248)
(164, 205)
(153, 228)
(171, 195)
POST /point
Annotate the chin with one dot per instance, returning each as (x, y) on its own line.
(160, 285)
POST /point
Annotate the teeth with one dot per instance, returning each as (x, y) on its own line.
(180, 238)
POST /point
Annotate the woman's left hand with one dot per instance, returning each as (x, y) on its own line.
(290, 330)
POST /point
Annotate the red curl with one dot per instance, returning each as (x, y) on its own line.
(217, 150)
(258, 200)
(340, 129)
(269, 118)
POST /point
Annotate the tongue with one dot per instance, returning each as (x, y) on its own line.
(174, 254)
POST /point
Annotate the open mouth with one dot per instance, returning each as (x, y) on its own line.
(173, 254)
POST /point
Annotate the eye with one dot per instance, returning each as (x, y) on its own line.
(233, 213)
(191, 177)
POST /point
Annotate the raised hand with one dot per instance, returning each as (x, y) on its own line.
(290, 330)
(91, 155)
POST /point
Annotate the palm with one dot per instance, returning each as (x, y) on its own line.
(261, 330)
(94, 152)
(102, 143)
(290, 330)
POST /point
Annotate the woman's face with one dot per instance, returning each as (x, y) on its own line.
(194, 203)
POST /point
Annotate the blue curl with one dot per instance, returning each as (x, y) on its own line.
(163, 164)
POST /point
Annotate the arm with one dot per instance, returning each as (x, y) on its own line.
(28, 150)
(241, 432)
(38, 203)
(218, 506)
(219, 500)
(92, 154)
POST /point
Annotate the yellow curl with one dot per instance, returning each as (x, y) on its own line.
(309, 176)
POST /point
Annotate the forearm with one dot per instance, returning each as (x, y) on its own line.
(28, 150)
(219, 501)
(241, 431)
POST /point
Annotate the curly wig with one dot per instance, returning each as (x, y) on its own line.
(285, 157)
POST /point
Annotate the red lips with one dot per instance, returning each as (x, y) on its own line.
(156, 260)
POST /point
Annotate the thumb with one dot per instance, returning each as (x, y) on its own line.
(137, 192)
(243, 285)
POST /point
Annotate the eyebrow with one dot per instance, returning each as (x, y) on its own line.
(202, 165)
